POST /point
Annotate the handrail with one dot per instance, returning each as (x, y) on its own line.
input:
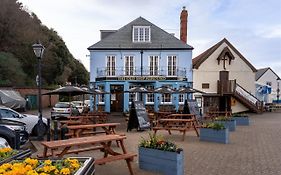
(243, 92)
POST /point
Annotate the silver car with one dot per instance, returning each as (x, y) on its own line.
(62, 110)
(29, 120)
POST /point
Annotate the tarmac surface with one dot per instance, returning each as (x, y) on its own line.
(253, 150)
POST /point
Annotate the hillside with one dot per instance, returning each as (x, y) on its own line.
(19, 29)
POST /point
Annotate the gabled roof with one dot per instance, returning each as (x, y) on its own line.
(262, 71)
(197, 61)
(122, 39)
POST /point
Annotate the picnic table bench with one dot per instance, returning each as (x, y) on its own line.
(177, 124)
(101, 142)
(78, 130)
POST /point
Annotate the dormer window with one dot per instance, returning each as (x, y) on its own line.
(141, 34)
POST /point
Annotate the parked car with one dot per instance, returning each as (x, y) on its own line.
(8, 129)
(61, 110)
(79, 105)
(4, 143)
(28, 119)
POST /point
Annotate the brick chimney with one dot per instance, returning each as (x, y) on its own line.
(183, 25)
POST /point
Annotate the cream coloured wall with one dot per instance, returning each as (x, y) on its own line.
(208, 72)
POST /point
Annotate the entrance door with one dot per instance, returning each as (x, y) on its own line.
(116, 99)
(225, 103)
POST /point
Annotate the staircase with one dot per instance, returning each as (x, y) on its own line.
(247, 99)
(231, 87)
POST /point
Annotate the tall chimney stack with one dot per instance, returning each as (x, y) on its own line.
(183, 25)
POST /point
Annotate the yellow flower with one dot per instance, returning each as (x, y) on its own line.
(6, 166)
(65, 171)
(47, 162)
(46, 169)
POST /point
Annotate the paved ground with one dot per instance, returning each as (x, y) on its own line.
(254, 150)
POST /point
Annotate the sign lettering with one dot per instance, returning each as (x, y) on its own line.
(141, 78)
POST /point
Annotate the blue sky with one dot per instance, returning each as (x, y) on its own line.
(252, 26)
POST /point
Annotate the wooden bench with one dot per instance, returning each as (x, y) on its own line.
(101, 142)
(181, 125)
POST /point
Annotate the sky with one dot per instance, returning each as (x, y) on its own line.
(252, 26)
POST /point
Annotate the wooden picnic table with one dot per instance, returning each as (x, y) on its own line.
(101, 142)
(77, 130)
(95, 118)
(177, 124)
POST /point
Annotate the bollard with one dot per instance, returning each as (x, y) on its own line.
(48, 129)
(63, 131)
(56, 130)
(17, 139)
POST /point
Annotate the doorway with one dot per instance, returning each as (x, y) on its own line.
(116, 98)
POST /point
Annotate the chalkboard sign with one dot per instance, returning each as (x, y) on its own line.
(142, 115)
(194, 108)
(138, 117)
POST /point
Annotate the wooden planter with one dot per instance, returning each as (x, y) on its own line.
(230, 124)
(168, 163)
(211, 135)
(244, 121)
(20, 155)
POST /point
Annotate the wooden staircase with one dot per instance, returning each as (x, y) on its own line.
(232, 88)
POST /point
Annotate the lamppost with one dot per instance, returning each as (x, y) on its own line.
(278, 89)
(38, 51)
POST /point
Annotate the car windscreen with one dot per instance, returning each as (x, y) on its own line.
(62, 105)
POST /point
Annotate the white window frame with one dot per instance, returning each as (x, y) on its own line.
(173, 66)
(110, 65)
(141, 34)
(153, 61)
(150, 95)
(129, 68)
(163, 98)
(101, 96)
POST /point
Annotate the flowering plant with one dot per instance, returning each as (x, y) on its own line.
(35, 167)
(215, 126)
(6, 152)
(157, 142)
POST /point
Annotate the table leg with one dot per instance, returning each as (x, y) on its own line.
(127, 160)
(196, 130)
(64, 151)
(45, 152)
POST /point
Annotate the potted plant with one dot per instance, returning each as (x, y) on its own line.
(227, 122)
(68, 166)
(8, 154)
(158, 155)
(241, 119)
(214, 132)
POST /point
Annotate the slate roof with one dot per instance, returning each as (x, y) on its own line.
(197, 61)
(262, 71)
(122, 39)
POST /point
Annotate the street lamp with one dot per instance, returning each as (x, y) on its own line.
(38, 51)
(278, 88)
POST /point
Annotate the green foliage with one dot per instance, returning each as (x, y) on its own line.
(215, 126)
(19, 29)
(223, 118)
(11, 71)
(157, 142)
(239, 115)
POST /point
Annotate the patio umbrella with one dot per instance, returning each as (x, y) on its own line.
(188, 90)
(164, 90)
(68, 91)
(138, 89)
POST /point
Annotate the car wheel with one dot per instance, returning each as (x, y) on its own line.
(35, 129)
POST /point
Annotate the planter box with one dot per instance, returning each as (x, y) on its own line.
(244, 121)
(20, 155)
(168, 163)
(231, 124)
(211, 135)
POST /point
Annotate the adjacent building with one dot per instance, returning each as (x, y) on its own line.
(140, 54)
(228, 79)
(267, 85)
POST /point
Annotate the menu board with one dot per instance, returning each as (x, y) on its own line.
(194, 108)
(142, 115)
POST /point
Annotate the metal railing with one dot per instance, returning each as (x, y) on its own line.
(137, 71)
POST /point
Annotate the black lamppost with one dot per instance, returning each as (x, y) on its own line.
(278, 89)
(39, 50)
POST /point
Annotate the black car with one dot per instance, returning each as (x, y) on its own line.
(14, 132)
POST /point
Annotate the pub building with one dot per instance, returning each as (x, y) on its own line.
(140, 54)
